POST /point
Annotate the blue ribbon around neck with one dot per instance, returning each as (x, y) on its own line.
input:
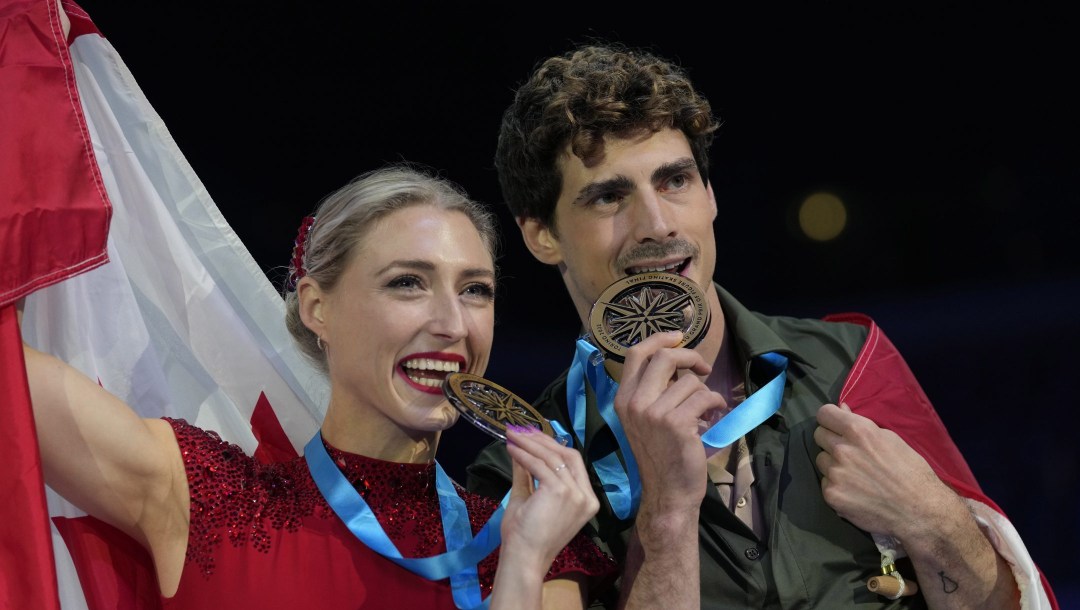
(622, 485)
(463, 552)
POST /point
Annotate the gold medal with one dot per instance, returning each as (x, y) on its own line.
(637, 306)
(491, 407)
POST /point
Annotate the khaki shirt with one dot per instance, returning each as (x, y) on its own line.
(797, 554)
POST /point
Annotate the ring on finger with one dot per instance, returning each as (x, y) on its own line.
(559, 467)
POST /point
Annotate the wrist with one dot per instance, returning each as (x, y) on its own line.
(516, 587)
(940, 518)
(660, 526)
(527, 560)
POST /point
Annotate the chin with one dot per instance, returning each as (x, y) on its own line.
(440, 418)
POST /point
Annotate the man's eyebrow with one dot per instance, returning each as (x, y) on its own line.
(594, 189)
(675, 167)
(623, 183)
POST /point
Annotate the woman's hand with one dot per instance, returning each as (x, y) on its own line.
(550, 501)
(544, 517)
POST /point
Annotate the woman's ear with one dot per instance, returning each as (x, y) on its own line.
(540, 240)
(312, 305)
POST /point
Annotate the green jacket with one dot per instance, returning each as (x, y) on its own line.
(811, 558)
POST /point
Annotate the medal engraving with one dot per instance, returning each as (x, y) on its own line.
(491, 407)
(637, 306)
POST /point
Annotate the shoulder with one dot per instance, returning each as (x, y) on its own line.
(821, 352)
(219, 472)
(237, 497)
(834, 338)
(199, 447)
(838, 328)
(189, 434)
(808, 339)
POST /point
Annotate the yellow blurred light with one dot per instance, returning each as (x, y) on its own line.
(822, 216)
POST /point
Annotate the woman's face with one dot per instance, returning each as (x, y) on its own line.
(415, 303)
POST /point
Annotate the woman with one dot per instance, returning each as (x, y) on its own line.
(391, 288)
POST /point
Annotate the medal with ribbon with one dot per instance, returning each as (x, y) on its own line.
(626, 312)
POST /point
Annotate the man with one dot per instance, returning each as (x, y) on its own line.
(602, 159)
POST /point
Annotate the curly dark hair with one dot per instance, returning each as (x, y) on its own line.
(594, 90)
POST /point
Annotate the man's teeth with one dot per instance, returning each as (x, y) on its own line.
(672, 268)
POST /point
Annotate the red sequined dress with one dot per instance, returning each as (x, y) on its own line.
(262, 536)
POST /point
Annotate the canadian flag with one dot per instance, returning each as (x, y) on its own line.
(170, 313)
(881, 387)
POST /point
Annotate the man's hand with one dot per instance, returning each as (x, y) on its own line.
(660, 402)
(872, 478)
(875, 480)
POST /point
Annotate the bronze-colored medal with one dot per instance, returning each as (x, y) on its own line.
(637, 306)
(491, 407)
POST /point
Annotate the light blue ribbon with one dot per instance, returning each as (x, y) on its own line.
(463, 553)
(623, 495)
(757, 407)
(623, 485)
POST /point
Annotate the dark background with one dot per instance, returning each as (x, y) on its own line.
(949, 132)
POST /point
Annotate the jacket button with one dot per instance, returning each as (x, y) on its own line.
(753, 554)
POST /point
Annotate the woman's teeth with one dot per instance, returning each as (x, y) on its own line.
(431, 382)
(431, 364)
(429, 371)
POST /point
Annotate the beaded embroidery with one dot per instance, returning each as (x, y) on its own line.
(235, 497)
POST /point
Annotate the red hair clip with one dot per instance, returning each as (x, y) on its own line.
(297, 263)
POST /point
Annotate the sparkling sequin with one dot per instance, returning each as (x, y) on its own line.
(236, 498)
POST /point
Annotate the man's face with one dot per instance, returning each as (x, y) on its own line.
(645, 207)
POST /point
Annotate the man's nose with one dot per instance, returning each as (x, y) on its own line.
(652, 218)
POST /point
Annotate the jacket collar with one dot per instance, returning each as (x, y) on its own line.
(750, 335)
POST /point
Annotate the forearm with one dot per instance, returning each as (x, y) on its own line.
(516, 587)
(956, 566)
(662, 567)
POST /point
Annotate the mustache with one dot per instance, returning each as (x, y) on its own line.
(651, 251)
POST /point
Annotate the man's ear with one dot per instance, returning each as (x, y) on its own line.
(312, 305)
(540, 240)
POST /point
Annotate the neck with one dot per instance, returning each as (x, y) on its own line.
(376, 436)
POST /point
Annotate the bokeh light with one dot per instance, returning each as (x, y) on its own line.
(822, 216)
